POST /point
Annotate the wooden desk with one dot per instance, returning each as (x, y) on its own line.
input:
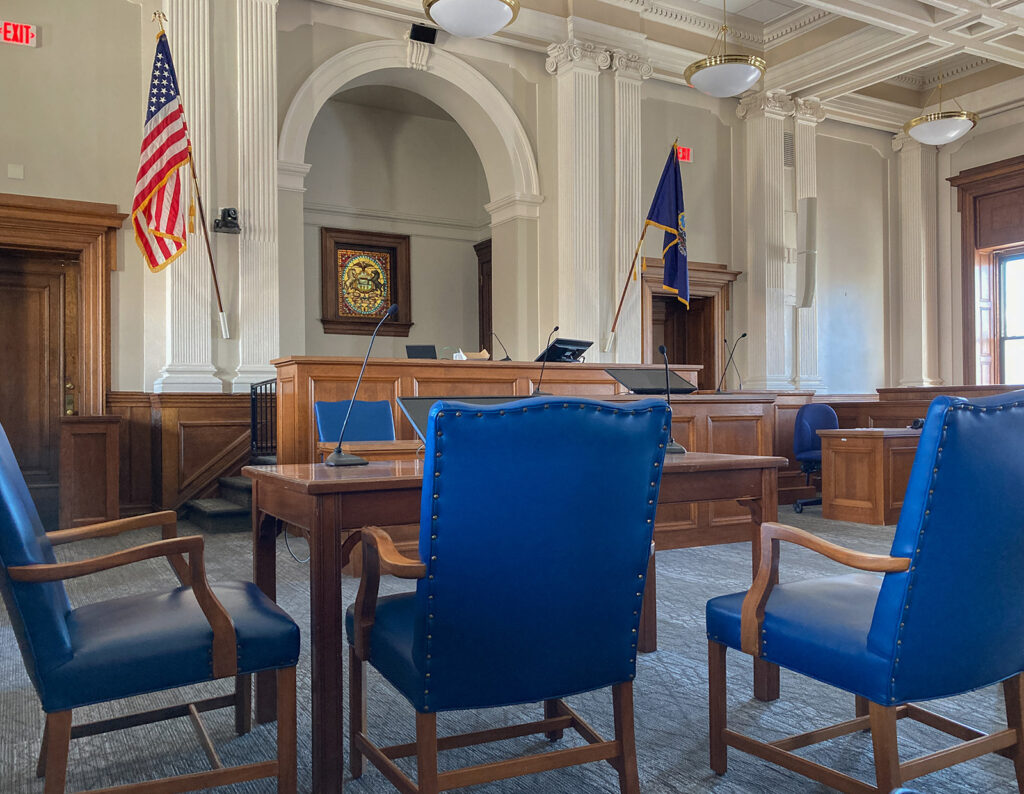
(329, 502)
(374, 450)
(864, 472)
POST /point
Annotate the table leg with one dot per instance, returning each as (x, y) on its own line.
(327, 644)
(648, 639)
(766, 674)
(264, 574)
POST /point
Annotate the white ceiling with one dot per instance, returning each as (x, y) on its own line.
(763, 11)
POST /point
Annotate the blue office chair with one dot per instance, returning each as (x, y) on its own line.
(371, 420)
(133, 645)
(535, 536)
(811, 418)
(944, 619)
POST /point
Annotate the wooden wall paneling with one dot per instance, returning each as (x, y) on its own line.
(928, 393)
(89, 464)
(136, 450)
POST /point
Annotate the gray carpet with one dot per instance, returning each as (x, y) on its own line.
(671, 693)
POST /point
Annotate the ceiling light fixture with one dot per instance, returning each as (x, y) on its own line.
(935, 129)
(471, 19)
(722, 74)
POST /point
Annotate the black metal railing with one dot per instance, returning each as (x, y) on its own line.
(263, 417)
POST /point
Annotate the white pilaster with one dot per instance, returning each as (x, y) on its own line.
(577, 66)
(258, 286)
(918, 269)
(630, 72)
(765, 115)
(189, 350)
(807, 112)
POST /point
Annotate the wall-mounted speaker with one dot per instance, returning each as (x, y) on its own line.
(423, 33)
(807, 247)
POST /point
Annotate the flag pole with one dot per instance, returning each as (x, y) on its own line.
(160, 17)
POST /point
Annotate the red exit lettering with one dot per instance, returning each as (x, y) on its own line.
(684, 154)
(18, 33)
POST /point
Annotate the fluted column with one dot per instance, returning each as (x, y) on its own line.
(577, 66)
(188, 331)
(807, 114)
(918, 268)
(258, 319)
(766, 359)
(630, 72)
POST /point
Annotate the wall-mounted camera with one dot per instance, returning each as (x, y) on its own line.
(227, 222)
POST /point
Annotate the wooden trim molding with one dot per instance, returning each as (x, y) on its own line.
(89, 231)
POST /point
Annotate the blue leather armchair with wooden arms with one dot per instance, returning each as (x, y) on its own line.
(811, 418)
(371, 420)
(535, 535)
(136, 644)
(944, 619)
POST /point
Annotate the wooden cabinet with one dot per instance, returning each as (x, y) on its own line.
(89, 470)
(864, 473)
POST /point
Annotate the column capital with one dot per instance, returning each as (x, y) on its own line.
(808, 110)
(573, 53)
(629, 65)
(903, 142)
(417, 54)
(774, 104)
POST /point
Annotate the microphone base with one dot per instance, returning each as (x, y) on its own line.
(339, 458)
(507, 358)
(675, 449)
(541, 394)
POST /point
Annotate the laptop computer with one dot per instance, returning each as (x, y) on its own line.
(650, 381)
(417, 409)
(420, 351)
(564, 350)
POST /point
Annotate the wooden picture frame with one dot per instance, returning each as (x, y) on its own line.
(361, 275)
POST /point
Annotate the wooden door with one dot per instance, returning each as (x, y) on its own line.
(39, 365)
(484, 303)
(688, 335)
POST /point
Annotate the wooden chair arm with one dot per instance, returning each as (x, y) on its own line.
(225, 647)
(752, 615)
(379, 556)
(166, 519)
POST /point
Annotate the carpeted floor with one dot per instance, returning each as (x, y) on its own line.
(671, 693)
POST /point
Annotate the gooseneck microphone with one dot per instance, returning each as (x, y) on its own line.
(339, 458)
(727, 363)
(544, 363)
(504, 349)
(673, 447)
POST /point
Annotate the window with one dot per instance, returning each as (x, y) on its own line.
(1011, 318)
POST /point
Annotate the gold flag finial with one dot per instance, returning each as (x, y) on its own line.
(160, 17)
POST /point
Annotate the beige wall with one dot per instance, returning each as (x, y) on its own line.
(413, 175)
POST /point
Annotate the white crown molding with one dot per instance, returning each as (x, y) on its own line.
(865, 111)
(801, 21)
(325, 213)
(928, 78)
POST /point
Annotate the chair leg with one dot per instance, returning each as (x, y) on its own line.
(426, 753)
(1013, 691)
(57, 740)
(243, 704)
(883, 738)
(551, 710)
(716, 707)
(356, 710)
(622, 704)
(861, 705)
(41, 763)
(287, 767)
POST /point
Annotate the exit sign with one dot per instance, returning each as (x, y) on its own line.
(684, 154)
(18, 33)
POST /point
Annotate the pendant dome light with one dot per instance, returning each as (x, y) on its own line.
(471, 19)
(935, 129)
(722, 74)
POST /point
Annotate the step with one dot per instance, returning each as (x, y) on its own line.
(237, 490)
(264, 460)
(219, 515)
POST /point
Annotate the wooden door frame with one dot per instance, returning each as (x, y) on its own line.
(89, 231)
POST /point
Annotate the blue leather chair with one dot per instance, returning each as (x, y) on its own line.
(811, 418)
(535, 535)
(371, 420)
(132, 645)
(945, 618)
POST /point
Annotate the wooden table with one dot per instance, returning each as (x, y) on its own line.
(864, 472)
(329, 502)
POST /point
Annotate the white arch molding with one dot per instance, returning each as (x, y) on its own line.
(490, 123)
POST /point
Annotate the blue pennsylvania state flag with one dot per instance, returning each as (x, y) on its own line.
(667, 213)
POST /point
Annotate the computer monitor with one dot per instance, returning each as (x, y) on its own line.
(417, 409)
(420, 351)
(564, 350)
(650, 381)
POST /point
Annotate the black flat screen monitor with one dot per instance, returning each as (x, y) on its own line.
(650, 381)
(417, 409)
(420, 351)
(564, 350)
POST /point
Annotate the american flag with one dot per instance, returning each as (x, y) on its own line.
(156, 209)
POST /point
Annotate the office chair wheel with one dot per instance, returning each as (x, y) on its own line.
(797, 507)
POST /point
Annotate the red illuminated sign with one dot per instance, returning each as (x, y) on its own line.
(18, 33)
(684, 154)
